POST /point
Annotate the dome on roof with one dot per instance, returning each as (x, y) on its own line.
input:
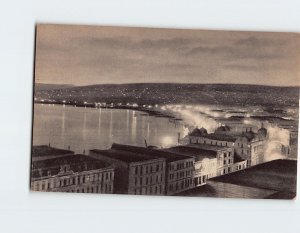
(198, 132)
(223, 128)
(249, 135)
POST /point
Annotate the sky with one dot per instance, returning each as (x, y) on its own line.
(86, 55)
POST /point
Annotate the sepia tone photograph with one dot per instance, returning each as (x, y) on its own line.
(166, 112)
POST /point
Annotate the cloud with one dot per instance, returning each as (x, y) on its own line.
(118, 55)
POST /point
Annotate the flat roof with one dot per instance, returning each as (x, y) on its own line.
(277, 175)
(208, 147)
(44, 150)
(77, 163)
(125, 156)
(160, 153)
(197, 153)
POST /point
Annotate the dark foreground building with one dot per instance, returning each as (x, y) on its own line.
(179, 168)
(47, 152)
(135, 173)
(272, 180)
(72, 173)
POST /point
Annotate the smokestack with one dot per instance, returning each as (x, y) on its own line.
(178, 137)
(146, 143)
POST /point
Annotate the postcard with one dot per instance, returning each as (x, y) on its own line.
(166, 112)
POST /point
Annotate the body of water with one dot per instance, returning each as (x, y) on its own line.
(82, 129)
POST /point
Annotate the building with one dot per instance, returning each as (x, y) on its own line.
(224, 155)
(276, 179)
(135, 173)
(210, 160)
(214, 139)
(206, 163)
(248, 145)
(47, 152)
(72, 173)
(179, 168)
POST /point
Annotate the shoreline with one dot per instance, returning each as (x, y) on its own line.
(149, 111)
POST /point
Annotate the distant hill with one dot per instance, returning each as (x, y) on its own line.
(44, 86)
(173, 93)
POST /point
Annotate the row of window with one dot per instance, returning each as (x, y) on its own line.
(181, 165)
(180, 185)
(200, 180)
(107, 188)
(152, 190)
(180, 175)
(149, 180)
(76, 180)
(226, 170)
(146, 169)
(240, 167)
(227, 161)
(216, 143)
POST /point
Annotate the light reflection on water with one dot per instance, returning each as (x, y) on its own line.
(89, 128)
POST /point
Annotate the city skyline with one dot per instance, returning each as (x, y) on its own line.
(89, 55)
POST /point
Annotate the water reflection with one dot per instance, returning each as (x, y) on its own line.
(88, 128)
(133, 126)
(99, 122)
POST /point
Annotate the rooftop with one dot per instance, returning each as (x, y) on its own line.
(272, 180)
(125, 156)
(198, 132)
(279, 175)
(151, 152)
(77, 163)
(44, 150)
(199, 154)
(207, 147)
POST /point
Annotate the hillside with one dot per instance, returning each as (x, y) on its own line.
(173, 93)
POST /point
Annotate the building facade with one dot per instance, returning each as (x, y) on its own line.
(248, 145)
(135, 173)
(72, 173)
(178, 168)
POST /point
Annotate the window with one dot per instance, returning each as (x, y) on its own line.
(157, 168)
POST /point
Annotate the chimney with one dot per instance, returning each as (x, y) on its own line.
(178, 137)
